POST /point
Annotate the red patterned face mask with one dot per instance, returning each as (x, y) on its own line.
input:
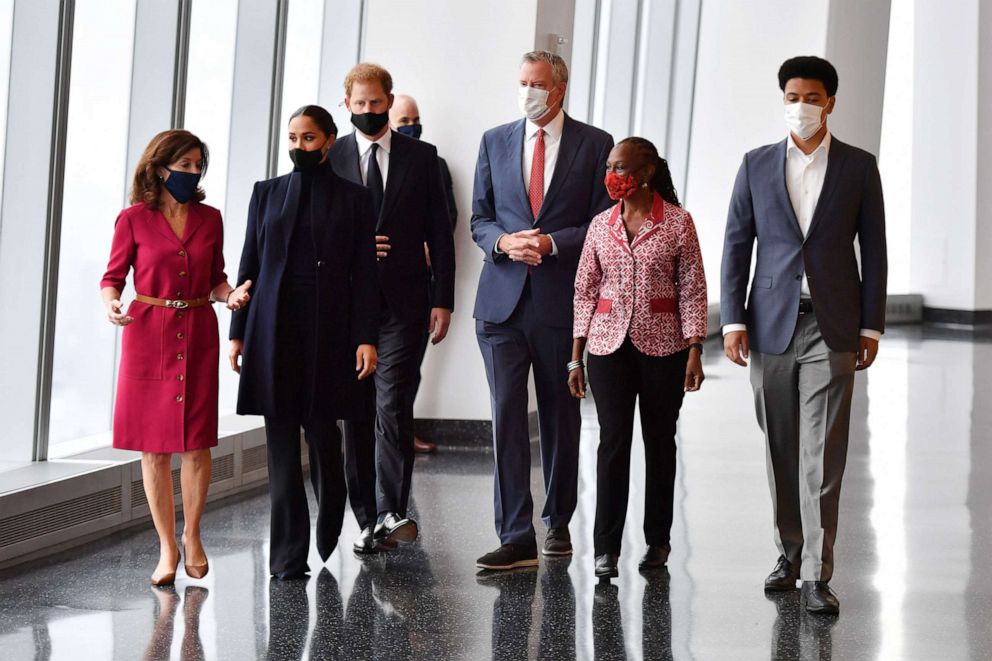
(620, 187)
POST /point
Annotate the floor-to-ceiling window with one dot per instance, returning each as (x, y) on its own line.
(6, 23)
(301, 73)
(94, 192)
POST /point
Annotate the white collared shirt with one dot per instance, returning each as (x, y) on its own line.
(804, 175)
(382, 156)
(552, 140)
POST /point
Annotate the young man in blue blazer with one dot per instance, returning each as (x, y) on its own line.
(811, 318)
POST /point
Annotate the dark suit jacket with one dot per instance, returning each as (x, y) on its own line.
(500, 206)
(850, 205)
(347, 294)
(449, 191)
(414, 211)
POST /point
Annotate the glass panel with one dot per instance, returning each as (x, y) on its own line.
(6, 23)
(301, 76)
(95, 188)
(209, 86)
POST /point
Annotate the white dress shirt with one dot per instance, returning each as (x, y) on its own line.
(552, 140)
(804, 175)
(382, 156)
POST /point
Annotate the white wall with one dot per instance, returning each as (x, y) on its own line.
(945, 133)
(737, 104)
(460, 61)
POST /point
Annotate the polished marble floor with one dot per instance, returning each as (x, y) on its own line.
(914, 555)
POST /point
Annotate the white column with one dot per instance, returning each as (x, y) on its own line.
(952, 100)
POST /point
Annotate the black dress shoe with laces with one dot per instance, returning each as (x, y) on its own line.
(509, 556)
(817, 597)
(606, 565)
(783, 577)
(655, 557)
(392, 528)
(558, 542)
(366, 543)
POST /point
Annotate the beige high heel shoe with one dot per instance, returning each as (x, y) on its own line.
(166, 579)
(194, 571)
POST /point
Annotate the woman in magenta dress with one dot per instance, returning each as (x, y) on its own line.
(167, 386)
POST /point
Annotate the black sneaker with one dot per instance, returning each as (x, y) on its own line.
(509, 556)
(558, 542)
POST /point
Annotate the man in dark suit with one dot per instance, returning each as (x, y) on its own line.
(811, 318)
(403, 177)
(538, 182)
(404, 117)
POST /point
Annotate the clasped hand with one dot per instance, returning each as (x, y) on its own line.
(527, 246)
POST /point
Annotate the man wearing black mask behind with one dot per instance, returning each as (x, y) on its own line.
(404, 179)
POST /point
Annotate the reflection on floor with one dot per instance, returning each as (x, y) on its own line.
(913, 554)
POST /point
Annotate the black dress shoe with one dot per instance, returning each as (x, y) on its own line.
(365, 542)
(606, 565)
(558, 542)
(783, 577)
(817, 597)
(393, 528)
(655, 557)
(509, 556)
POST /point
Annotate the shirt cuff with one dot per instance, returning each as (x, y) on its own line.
(496, 250)
(554, 246)
(731, 328)
(873, 334)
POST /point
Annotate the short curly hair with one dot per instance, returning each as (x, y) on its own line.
(165, 148)
(810, 67)
(366, 72)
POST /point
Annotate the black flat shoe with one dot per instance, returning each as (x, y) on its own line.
(393, 528)
(509, 556)
(817, 597)
(606, 565)
(783, 577)
(558, 542)
(655, 558)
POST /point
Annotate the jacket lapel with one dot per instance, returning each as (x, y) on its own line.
(399, 162)
(515, 148)
(835, 163)
(781, 188)
(194, 219)
(568, 147)
(290, 205)
(346, 162)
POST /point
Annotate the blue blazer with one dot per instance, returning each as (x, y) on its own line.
(500, 206)
(347, 292)
(414, 212)
(850, 206)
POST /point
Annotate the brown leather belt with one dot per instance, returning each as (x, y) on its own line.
(176, 304)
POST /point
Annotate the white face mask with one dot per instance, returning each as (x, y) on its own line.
(803, 119)
(533, 102)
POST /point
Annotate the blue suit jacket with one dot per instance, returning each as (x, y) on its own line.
(849, 206)
(500, 206)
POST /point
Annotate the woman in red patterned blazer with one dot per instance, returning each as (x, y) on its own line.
(641, 309)
(167, 387)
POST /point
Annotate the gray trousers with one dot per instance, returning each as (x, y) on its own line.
(803, 402)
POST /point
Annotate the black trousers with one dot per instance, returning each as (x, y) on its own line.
(379, 444)
(289, 527)
(617, 381)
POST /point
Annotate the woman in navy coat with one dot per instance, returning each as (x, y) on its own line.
(308, 334)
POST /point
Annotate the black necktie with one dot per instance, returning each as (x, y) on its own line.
(373, 179)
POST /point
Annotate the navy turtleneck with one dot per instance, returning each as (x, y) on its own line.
(301, 260)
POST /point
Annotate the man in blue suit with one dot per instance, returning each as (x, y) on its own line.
(811, 318)
(538, 182)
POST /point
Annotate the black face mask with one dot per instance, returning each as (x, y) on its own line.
(370, 123)
(306, 160)
(182, 185)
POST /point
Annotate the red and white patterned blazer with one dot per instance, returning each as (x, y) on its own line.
(652, 288)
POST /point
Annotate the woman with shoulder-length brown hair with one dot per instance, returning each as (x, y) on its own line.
(167, 386)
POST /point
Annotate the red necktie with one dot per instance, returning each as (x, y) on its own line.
(536, 190)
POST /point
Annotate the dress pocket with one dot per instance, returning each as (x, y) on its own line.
(142, 344)
(604, 306)
(662, 305)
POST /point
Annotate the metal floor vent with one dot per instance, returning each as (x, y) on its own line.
(222, 469)
(253, 459)
(59, 516)
(904, 309)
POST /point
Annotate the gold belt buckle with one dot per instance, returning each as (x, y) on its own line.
(178, 305)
